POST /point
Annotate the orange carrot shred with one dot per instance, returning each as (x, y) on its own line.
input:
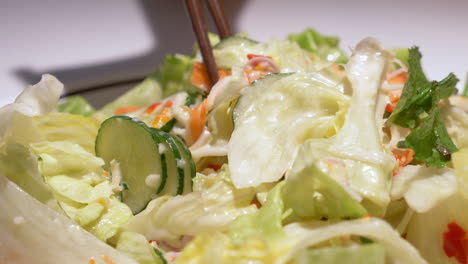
(151, 108)
(398, 79)
(108, 260)
(162, 118)
(199, 77)
(198, 119)
(128, 109)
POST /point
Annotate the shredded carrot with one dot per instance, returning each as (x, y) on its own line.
(404, 156)
(394, 96)
(198, 119)
(168, 103)
(199, 77)
(91, 261)
(162, 118)
(253, 75)
(389, 108)
(105, 172)
(398, 79)
(128, 109)
(151, 108)
(107, 259)
(251, 56)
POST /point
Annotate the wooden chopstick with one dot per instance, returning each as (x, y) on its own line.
(199, 27)
(217, 11)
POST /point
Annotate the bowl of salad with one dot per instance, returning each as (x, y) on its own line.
(300, 153)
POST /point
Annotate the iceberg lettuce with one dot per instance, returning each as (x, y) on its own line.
(312, 194)
(356, 254)
(423, 187)
(79, 184)
(397, 249)
(75, 105)
(320, 47)
(358, 143)
(274, 116)
(38, 99)
(136, 247)
(211, 207)
(33, 233)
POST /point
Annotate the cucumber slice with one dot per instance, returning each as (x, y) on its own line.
(234, 41)
(169, 125)
(136, 147)
(175, 181)
(190, 168)
(273, 117)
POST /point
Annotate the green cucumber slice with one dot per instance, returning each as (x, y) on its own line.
(189, 164)
(169, 125)
(136, 147)
(175, 181)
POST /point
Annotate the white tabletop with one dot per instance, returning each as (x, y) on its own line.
(90, 42)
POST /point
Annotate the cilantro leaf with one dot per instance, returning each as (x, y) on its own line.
(416, 96)
(429, 138)
(431, 141)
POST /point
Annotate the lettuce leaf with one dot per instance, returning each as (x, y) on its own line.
(33, 233)
(456, 122)
(402, 54)
(136, 246)
(366, 167)
(20, 165)
(38, 99)
(356, 254)
(79, 184)
(174, 75)
(144, 94)
(76, 105)
(324, 47)
(256, 237)
(211, 207)
(328, 200)
(427, 236)
(423, 187)
(274, 116)
(307, 234)
(266, 222)
(74, 128)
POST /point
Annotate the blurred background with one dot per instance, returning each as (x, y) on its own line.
(102, 43)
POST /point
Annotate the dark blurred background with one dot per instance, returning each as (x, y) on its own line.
(91, 43)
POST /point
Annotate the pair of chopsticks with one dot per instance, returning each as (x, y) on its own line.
(199, 27)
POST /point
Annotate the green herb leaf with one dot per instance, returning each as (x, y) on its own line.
(431, 141)
(416, 97)
(416, 91)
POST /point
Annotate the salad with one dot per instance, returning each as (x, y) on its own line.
(300, 153)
